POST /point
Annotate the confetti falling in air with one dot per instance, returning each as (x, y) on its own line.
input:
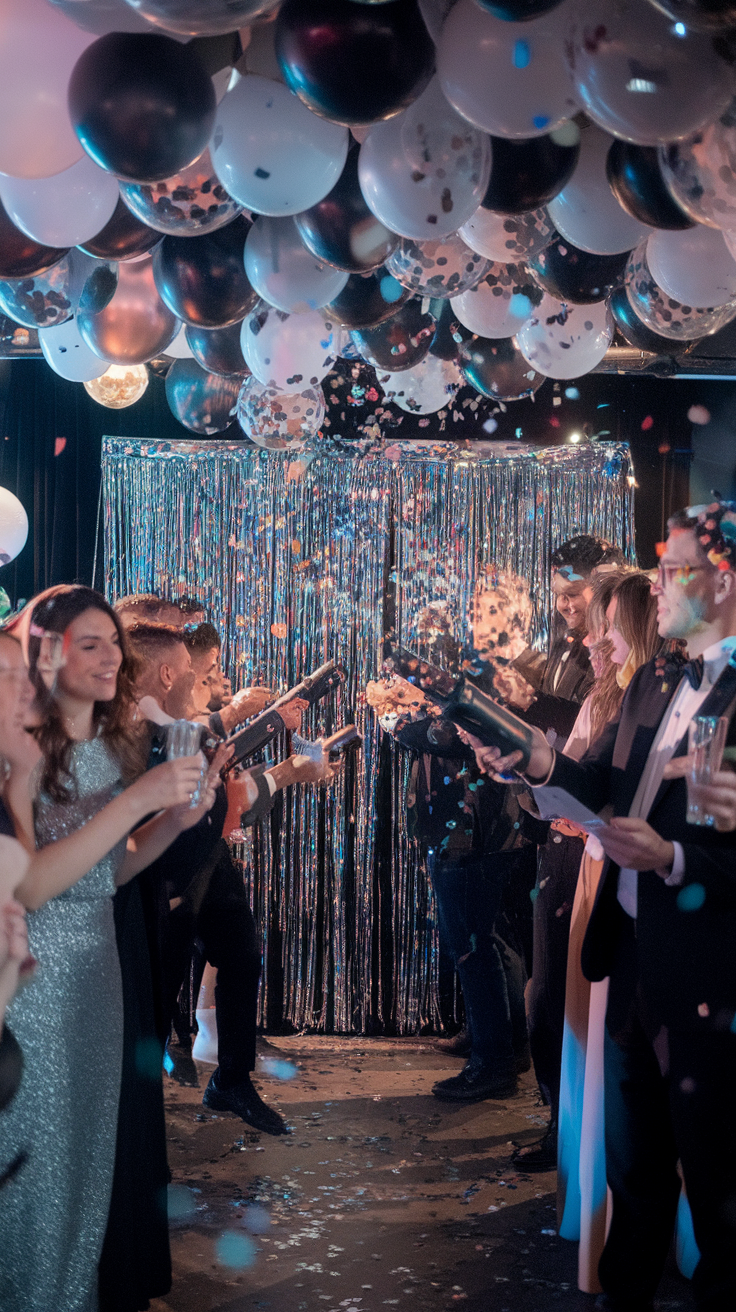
(227, 516)
(698, 414)
(279, 1070)
(59, 445)
(646, 424)
(235, 1250)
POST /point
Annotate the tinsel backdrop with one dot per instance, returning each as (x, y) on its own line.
(304, 559)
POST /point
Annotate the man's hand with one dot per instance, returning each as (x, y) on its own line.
(718, 798)
(292, 713)
(490, 761)
(309, 771)
(247, 702)
(514, 688)
(634, 845)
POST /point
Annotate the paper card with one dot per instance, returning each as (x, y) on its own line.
(557, 804)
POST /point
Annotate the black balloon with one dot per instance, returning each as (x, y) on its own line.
(635, 332)
(636, 181)
(449, 334)
(354, 63)
(203, 279)
(527, 174)
(142, 106)
(201, 401)
(517, 11)
(218, 349)
(494, 367)
(341, 230)
(20, 256)
(573, 275)
(123, 237)
(400, 342)
(700, 15)
(368, 299)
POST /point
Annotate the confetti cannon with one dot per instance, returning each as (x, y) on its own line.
(262, 728)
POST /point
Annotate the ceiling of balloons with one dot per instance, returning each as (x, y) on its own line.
(269, 200)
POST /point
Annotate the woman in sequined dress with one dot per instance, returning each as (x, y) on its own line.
(69, 1022)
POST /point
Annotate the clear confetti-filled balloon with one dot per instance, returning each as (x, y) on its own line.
(290, 352)
(701, 172)
(42, 301)
(439, 269)
(506, 238)
(193, 202)
(202, 17)
(428, 387)
(119, 387)
(565, 341)
(425, 172)
(500, 304)
(662, 313)
(279, 421)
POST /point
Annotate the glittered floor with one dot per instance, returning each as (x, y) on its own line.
(382, 1197)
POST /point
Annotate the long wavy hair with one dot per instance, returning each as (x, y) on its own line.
(52, 612)
(606, 695)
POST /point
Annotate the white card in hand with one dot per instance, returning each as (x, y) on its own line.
(557, 804)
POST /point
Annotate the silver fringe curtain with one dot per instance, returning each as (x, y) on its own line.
(304, 560)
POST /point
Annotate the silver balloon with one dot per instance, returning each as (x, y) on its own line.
(664, 315)
(202, 402)
(121, 316)
(193, 202)
(42, 301)
(195, 18)
(102, 16)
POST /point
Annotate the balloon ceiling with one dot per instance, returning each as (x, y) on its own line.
(450, 193)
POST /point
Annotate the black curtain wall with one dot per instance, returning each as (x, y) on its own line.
(51, 433)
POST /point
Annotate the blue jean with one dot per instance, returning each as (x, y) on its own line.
(469, 893)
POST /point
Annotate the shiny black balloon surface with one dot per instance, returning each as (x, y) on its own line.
(368, 299)
(341, 230)
(199, 400)
(123, 237)
(142, 106)
(20, 256)
(449, 334)
(573, 275)
(635, 332)
(400, 342)
(203, 279)
(354, 63)
(518, 11)
(527, 174)
(218, 349)
(700, 15)
(494, 367)
(636, 181)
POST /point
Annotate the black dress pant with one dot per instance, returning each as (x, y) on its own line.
(668, 1097)
(226, 930)
(557, 876)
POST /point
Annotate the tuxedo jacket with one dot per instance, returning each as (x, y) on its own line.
(686, 935)
(558, 700)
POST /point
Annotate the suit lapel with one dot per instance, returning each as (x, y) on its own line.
(641, 717)
(720, 701)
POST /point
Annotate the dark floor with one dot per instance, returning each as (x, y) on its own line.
(381, 1197)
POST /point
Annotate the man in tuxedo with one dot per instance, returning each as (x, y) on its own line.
(664, 930)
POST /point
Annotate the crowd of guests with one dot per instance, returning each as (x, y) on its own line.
(604, 955)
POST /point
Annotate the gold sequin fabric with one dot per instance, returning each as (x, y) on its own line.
(69, 1023)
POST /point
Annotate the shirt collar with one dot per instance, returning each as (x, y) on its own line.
(716, 658)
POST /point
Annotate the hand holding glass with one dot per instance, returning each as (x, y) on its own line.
(183, 738)
(706, 741)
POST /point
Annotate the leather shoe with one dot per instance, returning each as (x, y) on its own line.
(178, 1063)
(540, 1156)
(475, 1083)
(244, 1100)
(458, 1046)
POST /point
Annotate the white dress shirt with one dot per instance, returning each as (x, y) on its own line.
(685, 704)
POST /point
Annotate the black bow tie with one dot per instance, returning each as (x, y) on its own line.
(693, 670)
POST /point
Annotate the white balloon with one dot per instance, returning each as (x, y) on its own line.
(13, 527)
(424, 389)
(566, 341)
(500, 304)
(423, 173)
(586, 211)
(290, 352)
(693, 266)
(284, 272)
(270, 152)
(180, 349)
(507, 237)
(39, 47)
(509, 79)
(66, 209)
(69, 355)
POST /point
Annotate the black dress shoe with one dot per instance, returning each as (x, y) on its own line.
(244, 1100)
(477, 1082)
(540, 1156)
(606, 1303)
(178, 1063)
(458, 1046)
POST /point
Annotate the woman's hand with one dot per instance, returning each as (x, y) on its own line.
(14, 955)
(173, 783)
(189, 815)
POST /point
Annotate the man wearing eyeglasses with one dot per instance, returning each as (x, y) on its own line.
(664, 930)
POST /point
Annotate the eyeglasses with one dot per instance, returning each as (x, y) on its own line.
(682, 574)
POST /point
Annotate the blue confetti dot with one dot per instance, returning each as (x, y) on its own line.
(691, 897)
(234, 1250)
(447, 779)
(279, 1070)
(522, 54)
(540, 121)
(148, 1058)
(451, 824)
(520, 305)
(180, 1202)
(534, 894)
(572, 393)
(391, 290)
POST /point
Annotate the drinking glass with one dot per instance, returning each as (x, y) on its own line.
(184, 738)
(706, 741)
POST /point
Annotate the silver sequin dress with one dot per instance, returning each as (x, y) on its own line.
(69, 1023)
